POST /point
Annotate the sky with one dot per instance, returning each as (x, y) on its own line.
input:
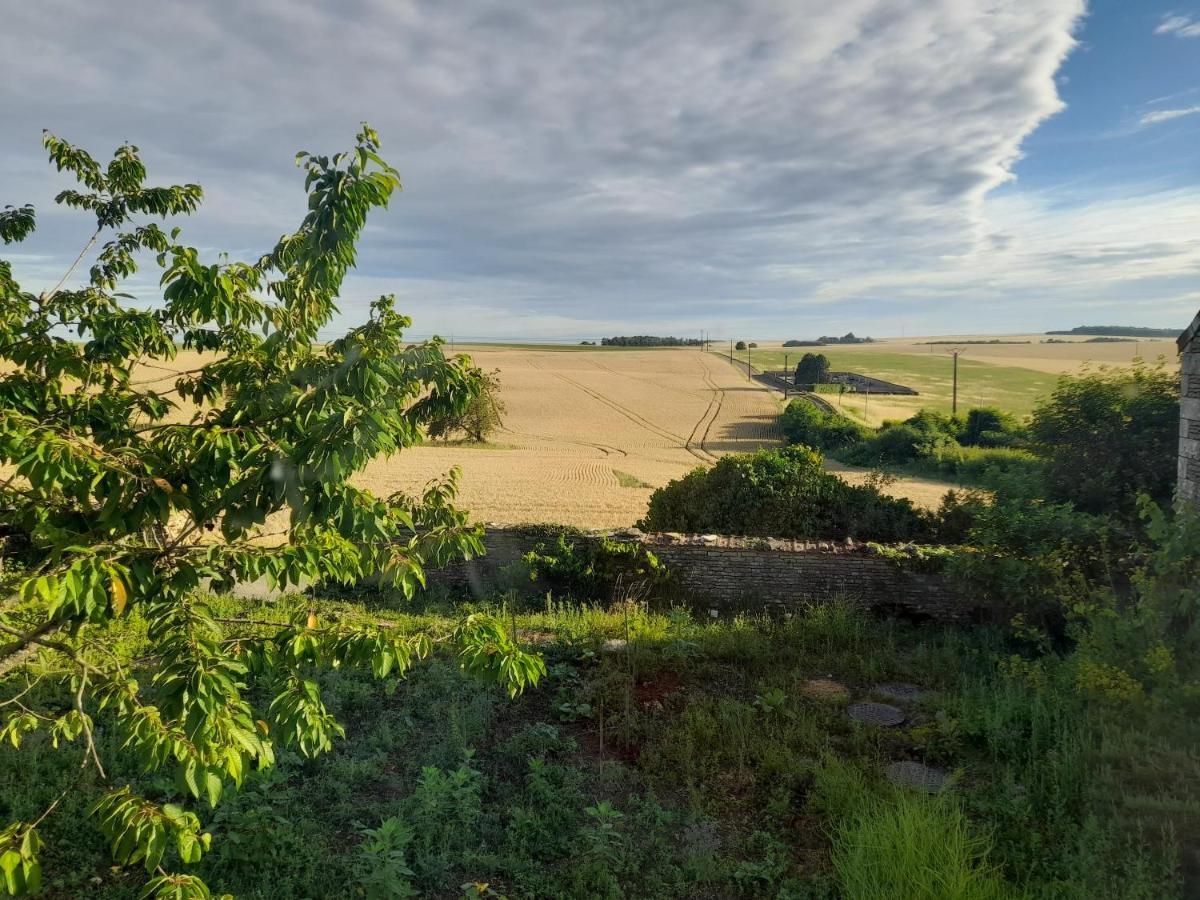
(757, 169)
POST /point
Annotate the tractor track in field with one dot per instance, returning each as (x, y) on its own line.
(714, 407)
(632, 416)
(606, 449)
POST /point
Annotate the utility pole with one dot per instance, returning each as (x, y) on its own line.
(954, 391)
(749, 372)
(731, 349)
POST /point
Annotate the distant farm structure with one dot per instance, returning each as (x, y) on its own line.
(854, 381)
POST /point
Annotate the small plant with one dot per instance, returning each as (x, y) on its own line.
(383, 868)
(603, 841)
(471, 890)
(771, 702)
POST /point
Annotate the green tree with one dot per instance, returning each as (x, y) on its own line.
(813, 368)
(740, 345)
(116, 501)
(482, 415)
(1109, 435)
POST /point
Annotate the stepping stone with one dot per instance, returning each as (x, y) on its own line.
(824, 689)
(876, 714)
(917, 776)
(899, 691)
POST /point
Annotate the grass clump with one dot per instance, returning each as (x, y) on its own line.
(914, 847)
(625, 480)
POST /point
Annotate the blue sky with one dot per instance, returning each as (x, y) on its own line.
(1122, 71)
(774, 169)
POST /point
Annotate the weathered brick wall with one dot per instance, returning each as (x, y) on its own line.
(727, 573)
(1189, 424)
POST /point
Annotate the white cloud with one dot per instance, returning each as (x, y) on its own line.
(1182, 26)
(683, 164)
(1166, 115)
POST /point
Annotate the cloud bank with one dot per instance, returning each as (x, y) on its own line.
(575, 168)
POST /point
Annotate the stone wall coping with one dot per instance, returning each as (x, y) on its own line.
(848, 546)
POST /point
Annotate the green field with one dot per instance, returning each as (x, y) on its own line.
(1010, 388)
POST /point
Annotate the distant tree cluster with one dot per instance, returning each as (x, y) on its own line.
(649, 340)
(740, 345)
(1121, 330)
(796, 343)
(847, 338)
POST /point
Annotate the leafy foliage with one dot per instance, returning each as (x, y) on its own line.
(781, 493)
(587, 568)
(1109, 435)
(483, 414)
(987, 442)
(129, 489)
(813, 368)
(806, 423)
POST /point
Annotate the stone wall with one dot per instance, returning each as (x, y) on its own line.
(1189, 423)
(731, 573)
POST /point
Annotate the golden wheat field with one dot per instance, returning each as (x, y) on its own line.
(588, 434)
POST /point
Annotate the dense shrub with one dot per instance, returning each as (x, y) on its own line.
(1109, 435)
(805, 423)
(987, 426)
(987, 443)
(980, 464)
(781, 493)
(813, 368)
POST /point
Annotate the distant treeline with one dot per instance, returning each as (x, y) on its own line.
(649, 340)
(1095, 340)
(928, 343)
(848, 338)
(1121, 331)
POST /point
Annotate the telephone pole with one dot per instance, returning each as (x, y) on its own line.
(954, 390)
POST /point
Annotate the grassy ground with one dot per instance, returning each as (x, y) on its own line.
(668, 757)
(1010, 388)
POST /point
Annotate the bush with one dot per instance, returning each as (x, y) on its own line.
(989, 427)
(981, 464)
(740, 345)
(805, 423)
(1108, 436)
(781, 493)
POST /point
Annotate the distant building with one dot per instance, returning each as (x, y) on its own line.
(1189, 413)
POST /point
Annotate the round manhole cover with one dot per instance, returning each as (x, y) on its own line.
(899, 691)
(824, 689)
(917, 775)
(876, 714)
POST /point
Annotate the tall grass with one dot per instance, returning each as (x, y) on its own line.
(914, 847)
